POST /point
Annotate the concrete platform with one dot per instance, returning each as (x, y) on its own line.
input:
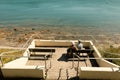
(61, 66)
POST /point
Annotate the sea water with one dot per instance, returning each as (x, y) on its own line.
(77, 13)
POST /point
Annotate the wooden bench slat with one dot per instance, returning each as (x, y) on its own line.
(86, 51)
(38, 53)
(41, 50)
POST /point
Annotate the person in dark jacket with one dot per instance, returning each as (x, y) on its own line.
(72, 49)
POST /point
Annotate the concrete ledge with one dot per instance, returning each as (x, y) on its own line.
(56, 43)
(99, 73)
(105, 63)
(16, 63)
(24, 72)
(51, 43)
(18, 69)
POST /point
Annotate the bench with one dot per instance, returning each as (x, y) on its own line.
(88, 51)
(40, 53)
(84, 52)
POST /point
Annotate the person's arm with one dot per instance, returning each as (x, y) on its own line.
(76, 47)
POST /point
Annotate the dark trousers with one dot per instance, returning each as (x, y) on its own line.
(70, 52)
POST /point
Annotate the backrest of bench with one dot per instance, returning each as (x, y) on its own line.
(41, 50)
(86, 51)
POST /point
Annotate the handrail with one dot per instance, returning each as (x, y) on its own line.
(80, 58)
(17, 50)
(87, 58)
(73, 59)
(77, 64)
(73, 62)
(1, 61)
(50, 64)
(46, 65)
(59, 74)
(69, 35)
(45, 62)
(28, 41)
(67, 74)
(3, 54)
(112, 53)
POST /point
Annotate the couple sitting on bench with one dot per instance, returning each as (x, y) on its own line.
(74, 48)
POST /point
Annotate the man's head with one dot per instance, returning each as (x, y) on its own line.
(79, 41)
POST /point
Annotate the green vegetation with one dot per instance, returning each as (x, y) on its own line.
(10, 54)
(111, 52)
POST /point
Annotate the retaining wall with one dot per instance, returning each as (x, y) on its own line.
(105, 73)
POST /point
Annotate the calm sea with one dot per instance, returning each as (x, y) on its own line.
(80, 13)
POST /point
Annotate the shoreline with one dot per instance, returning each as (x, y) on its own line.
(107, 30)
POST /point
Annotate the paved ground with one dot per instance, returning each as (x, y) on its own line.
(61, 67)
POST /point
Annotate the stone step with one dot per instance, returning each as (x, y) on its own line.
(54, 74)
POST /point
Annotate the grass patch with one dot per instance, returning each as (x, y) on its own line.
(111, 52)
(10, 54)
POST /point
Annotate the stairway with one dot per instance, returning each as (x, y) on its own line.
(61, 74)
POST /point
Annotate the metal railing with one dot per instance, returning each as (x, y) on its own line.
(50, 63)
(23, 47)
(77, 69)
(59, 74)
(79, 58)
(9, 56)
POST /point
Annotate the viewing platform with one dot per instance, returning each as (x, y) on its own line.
(47, 59)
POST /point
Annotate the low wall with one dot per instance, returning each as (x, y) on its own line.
(105, 63)
(24, 72)
(99, 73)
(57, 43)
(18, 69)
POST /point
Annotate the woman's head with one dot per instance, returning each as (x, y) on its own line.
(73, 43)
